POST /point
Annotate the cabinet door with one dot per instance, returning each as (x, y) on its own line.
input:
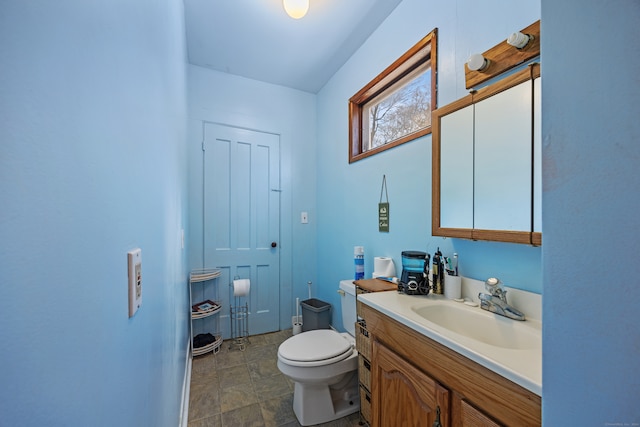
(402, 395)
(456, 169)
(537, 157)
(502, 175)
(471, 417)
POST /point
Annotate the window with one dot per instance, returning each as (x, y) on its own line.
(396, 106)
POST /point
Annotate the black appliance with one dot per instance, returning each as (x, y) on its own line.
(415, 269)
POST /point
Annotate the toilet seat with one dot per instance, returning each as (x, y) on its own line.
(315, 348)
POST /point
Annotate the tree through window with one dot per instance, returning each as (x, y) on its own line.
(396, 106)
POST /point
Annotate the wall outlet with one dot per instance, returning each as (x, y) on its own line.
(134, 261)
(304, 217)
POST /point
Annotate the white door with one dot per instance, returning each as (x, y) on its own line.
(242, 219)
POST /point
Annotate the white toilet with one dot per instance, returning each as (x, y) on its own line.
(323, 364)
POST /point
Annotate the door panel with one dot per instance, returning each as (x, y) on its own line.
(502, 165)
(242, 218)
(403, 395)
(456, 170)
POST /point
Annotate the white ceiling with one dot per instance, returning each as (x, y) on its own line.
(258, 40)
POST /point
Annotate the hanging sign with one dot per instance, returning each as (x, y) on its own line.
(383, 208)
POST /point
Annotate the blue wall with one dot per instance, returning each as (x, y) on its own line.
(313, 129)
(92, 98)
(348, 196)
(291, 114)
(93, 163)
(591, 155)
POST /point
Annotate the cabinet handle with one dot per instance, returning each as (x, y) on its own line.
(436, 423)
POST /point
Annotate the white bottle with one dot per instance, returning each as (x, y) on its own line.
(358, 260)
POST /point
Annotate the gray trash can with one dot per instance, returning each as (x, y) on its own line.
(316, 314)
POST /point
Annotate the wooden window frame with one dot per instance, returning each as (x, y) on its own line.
(423, 51)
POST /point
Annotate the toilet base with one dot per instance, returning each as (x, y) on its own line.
(316, 403)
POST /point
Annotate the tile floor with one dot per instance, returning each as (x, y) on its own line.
(236, 388)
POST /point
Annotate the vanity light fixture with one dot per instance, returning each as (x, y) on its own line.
(296, 8)
(519, 40)
(477, 62)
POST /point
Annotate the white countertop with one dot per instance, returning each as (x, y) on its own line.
(522, 366)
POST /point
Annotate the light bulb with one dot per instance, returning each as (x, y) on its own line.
(296, 8)
(519, 40)
(477, 62)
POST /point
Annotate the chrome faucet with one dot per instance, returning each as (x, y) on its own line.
(496, 300)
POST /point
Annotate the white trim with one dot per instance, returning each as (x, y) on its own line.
(186, 388)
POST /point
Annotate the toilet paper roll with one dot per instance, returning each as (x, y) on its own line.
(241, 287)
(383, 267)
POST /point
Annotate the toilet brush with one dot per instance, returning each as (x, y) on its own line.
(297, 324)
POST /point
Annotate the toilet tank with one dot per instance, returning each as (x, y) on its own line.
(348, 303)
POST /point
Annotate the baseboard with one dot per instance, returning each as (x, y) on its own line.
(186, 388)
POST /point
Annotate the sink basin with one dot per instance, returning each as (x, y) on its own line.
(480, 325)
(510, 348)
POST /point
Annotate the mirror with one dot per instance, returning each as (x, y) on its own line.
(486, 163)
(537, 160)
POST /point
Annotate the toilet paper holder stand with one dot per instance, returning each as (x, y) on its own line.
(239, 315)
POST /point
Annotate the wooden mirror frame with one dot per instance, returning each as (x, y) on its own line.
(524, 237)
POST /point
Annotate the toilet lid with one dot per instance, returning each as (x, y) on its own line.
(317, 347)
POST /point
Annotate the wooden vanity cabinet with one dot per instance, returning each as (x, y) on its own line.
(412, 375)
(363, 343)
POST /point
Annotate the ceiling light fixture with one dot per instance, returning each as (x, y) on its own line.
(296, 8)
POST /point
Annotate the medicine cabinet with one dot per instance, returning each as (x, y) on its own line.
(486, 163)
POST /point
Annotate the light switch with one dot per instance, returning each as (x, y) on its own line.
(304, 218)
(134, 261)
